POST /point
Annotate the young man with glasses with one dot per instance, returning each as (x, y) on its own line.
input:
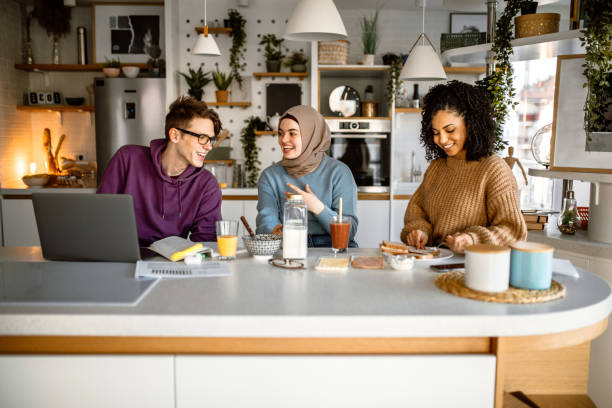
(173, 194)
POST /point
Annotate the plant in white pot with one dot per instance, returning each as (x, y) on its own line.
(111, 68)
(222, 82)
(369, 38)
(296, 62)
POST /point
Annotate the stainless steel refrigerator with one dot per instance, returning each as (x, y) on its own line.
(128, 111)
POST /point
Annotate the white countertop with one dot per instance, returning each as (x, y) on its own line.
(263, 301)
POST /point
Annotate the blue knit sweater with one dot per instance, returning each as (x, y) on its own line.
(330, 181)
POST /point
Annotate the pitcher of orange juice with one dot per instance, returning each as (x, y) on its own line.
(227, 238)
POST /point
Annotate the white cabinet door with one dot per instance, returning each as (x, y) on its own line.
(398, 209)
(18, 223)
(250, 212)
(373, 222)
(86, 381)
(233, 210)
(335, 381)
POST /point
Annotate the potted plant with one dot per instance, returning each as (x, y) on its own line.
(155, 63)
(296, 62)
(273, 52)
(111, 67)
(222, 82)
(236, 58)
(196, 80)
(369, 38)
(396, 63)
(528, 7)
(54, 17)
(249, 148)
(597, 40)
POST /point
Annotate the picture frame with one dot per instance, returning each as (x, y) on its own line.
(467, 23)
(123, 30)
(568, 151)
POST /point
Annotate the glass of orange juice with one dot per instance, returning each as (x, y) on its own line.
(227, 238)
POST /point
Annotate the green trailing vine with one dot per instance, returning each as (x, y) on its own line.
(249, 148)
(236, 59)
(597, 40)
(500, 84)
(393, 79)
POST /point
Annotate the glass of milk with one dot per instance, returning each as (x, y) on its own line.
(295, 227)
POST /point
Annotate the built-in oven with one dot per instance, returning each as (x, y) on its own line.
(364, 146)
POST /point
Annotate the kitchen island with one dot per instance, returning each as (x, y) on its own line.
(358, 338)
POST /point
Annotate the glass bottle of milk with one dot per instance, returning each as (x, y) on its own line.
(295, 227)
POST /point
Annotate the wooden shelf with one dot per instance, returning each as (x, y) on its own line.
(357, 117)
(242, 105)
(72, 67)
(55, 108)
(215, 30)
(465, 70)
(301, 75)
(227, 162)
(408, 110)
(265, 132)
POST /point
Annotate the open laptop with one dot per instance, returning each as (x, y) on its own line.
(86, 227)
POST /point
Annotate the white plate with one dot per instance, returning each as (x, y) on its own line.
(445, 253)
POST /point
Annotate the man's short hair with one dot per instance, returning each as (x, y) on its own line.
(184, 109)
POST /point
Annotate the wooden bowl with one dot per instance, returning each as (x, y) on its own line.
(36, 180)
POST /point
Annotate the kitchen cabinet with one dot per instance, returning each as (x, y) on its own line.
(18, 222)
(86, 381)
(234, 209)
(355, 381)
(398, 209)
(373, 222)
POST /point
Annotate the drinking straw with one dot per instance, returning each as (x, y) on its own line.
(340, 212)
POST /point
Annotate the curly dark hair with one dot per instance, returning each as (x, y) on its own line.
(185, 108)
(473, 105)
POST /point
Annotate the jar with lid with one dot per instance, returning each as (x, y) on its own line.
(568, 221)
(295, 227)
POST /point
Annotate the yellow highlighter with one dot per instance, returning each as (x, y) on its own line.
(177, 256)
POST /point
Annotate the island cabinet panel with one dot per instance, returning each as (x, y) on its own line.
(373, 222)
(86, 381)
(398, 208)
(18, 223)
(335, 381)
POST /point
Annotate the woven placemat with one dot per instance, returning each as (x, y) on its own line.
(453, 282)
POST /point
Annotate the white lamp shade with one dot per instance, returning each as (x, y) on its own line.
(206, 45)
(70, 3)
(423, 64)
(315, 20)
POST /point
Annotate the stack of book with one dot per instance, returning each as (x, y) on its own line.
(535, 220)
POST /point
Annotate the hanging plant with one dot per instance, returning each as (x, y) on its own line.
(53, 16)
(236, 59)
(597, 40)
(500, 84)
(393, 80)
(249, 148)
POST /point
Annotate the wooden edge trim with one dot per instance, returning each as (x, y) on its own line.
(555, 340)
(239, 197)
(16, 196)
(373, 196)
(498, 348)
(234, 345)
(402, 196)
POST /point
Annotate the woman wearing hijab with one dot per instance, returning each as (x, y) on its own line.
(306, 169)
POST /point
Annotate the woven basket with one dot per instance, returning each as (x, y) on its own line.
(536, 24)
(333, 52)
(449, 41)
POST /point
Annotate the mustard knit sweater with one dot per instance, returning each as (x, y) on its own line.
(475, 197)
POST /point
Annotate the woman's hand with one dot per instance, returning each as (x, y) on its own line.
(458, 242)
(417, 239)
(313, 203)
(278, 230)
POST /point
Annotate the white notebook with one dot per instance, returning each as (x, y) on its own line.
(206, 269)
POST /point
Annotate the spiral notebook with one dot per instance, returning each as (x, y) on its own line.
(208, 269)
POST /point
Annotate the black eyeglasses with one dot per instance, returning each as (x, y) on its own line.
(202, 139)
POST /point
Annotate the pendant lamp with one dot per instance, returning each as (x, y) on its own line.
(315, 20)
(423, 64)
(206, 45)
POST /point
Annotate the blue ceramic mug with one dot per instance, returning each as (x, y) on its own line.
(531, 265)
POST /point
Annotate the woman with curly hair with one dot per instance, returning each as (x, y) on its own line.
(468, 194)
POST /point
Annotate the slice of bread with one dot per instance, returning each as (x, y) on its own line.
(332, 264)
(394, 248)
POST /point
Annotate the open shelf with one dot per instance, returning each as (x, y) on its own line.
(353, 71)
(265, 132)
(465, 70)
(242, 105)
(55, 108)
(526, 48)
(357, 118)
(301, 75)
(215, 30)
(572, 175)
(227, 162)
(71, 67)
(408, 110)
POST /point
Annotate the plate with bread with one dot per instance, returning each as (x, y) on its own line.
(426, 254)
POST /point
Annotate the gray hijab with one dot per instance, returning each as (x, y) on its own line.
(316, 139)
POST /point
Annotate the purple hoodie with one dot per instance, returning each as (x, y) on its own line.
(164, 205)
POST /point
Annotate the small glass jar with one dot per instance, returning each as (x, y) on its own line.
(568, 221)
(295, 228)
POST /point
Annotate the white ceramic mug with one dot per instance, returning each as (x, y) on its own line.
(487, 268)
